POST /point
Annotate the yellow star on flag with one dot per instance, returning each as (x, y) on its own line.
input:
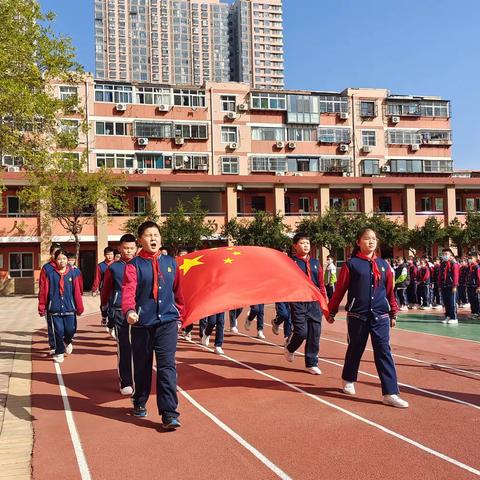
(237, 253)
(230, 248)
(189, 263)
(228, 260)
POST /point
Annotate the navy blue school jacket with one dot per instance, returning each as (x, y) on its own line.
(99, 276)
(473, 277)
(137, 294)
(364, 298)
(449, 274)
(111, 295)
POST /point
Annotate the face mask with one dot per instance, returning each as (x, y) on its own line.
(445, 258)
(471, 260)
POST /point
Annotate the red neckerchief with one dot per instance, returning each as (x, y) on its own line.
(156, 269)
(472, 267)
(447, 270)
(61, 283)
(376, 272)
(307, 263)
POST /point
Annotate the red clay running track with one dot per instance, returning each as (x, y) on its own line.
(255, 416)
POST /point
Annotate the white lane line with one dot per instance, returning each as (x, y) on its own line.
(77, 444)
(447, 367)
(371, 375)
(248, 446)
(386, 430)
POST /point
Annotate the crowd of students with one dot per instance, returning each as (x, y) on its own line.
(142, 308)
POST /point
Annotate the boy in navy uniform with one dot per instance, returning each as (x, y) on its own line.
(152, 303)
(282, 310)
(100, 273)
(306, 316)
(437, 294)
(473, 284)
(412, 283)
(111, 301)
(256, 312)
(462, 283)
(448, 278)
(207, 325)
(423, 287)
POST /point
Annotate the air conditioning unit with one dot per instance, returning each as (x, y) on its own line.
(346, 174)
(343, 147)
(280, 174)
(298, 174)
(344, 115)
(163, 108)
(129, 171)
(395, 119)
(13, 169)
(179, 141)
(141, 171)
(415, 147)
(291, 145)
(242, 107)
(202, 167)
(366, 149)
(231, 115)
(233, 145)
(120, 107)
(280, 144)
(142, 141)
(385, 168)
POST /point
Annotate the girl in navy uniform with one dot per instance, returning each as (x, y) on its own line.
(448, 278)
(152, 303)
(371, 310)
(61, 298)
(412, 283)
(423, 288)
(111, 297)
(473, 284)
(462, 283)
(216, 322)
(282, 310)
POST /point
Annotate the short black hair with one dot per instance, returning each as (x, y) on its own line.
(116, 251)
(473, 254)
(446, 249)
(145, 225)
(299, 235)
(71, 255)
(128, 238)
(59, 252)
(54, 247)
(107, 250)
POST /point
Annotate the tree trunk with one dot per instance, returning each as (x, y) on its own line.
(77, 248)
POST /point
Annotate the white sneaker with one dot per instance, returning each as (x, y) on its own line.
(248, 324)
(394, 401)
(348, 388)
(446, 320)
(51, 351)
(234, 330)
(275, 328)
(438, 307)
(112, 333)
(219, 351)
(126, 390)
(261, 335)
(188, 336)
(205, 341)
(288, 356)
(69, 349)
(452, 321)
(314, 370)
(404, 308)
(58, 358)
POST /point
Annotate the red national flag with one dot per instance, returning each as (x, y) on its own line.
(221, 279)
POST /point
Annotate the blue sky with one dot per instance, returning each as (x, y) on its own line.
(419, 47)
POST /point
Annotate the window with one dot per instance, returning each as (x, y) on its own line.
(152, 129)
(112, 128)
(189, 98)
(154, 160)
(437, 166)
(336, 165)
(228, 103)
(230, 165)
(434, 109)
(194, 131)
(426, 204)
(403, 108)
(113, 93)
(258, 204)
(385, 204)
(436, 137)
(268, 164)
(153, 96)
(68, 126)
(369, 138)
(439, 204)
(303, 109)
(304, 205)
(352, 204)
(139, 205)
(333, 104)
(190, 162)
(68, 93)
(406, 166)
(370, 167)
(403, 137)
(229, 135)
(273, 134)
(303, 164)
(301, 133)
(268, 101)
(368, 109)
(336, 202)
(21, 265)
(469, 204)
(334, 135)
(11, 161)
(13, 206)
(114, 160)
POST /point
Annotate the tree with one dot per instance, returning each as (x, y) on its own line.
(389, 233)
(151, 214)
(423, 238)
(265, 230)
(457, 234)
(66, 192)
(187, 230)
(472, 230)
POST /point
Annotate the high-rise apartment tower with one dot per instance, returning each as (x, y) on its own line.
(190, 41)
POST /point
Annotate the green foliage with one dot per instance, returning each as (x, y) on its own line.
(265, 230)
(187, 230)
(423, 238)
(132, 224)
(457, 234)
(390, 234)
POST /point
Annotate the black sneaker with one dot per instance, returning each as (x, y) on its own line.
(139, 412)
(171, 423)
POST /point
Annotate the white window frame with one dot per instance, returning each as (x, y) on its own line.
(229, 134)
(369, 140)
(233, 164)
(229, 103)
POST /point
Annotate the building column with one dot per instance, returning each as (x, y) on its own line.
(102, 228)
(367, 199)
(231, 197)
(45, 233)
(323, 198)
(410, 209)
(451, 211)
(156, 197)
(279, 199)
